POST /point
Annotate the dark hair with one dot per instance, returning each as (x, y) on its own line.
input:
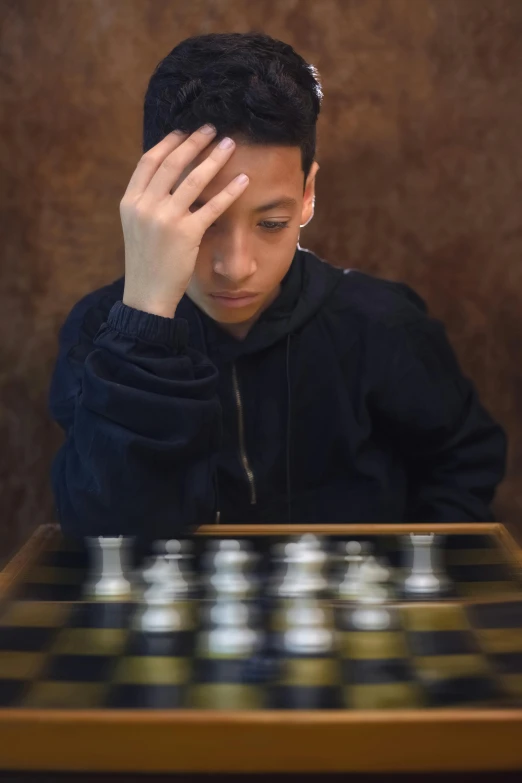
(248, 85)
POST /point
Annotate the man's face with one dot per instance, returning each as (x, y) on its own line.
(247, 249)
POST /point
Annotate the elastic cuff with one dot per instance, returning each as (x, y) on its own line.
(148, 326)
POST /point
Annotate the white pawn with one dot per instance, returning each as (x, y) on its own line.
(311, 560)
(230, 562)
(112, 582)
(304, 576)
(310, 540)
(167, 583)
(185, 564)
(371, 615)
(291, 559)
(232, 635)
(307, 633)
(161, 615)
(277, 561)
(350, 585)
(178, 584)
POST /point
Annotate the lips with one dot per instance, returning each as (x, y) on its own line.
(234, 301)
(233, 296)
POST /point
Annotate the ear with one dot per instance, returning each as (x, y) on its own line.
(307, 211)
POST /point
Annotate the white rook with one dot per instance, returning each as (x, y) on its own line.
(112, 582)
(423, 579)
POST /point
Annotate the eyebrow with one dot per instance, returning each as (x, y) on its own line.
(284, 201)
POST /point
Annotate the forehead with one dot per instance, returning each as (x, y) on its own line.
(269, 167)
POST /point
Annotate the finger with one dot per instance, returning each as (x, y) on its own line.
(150, 162)
(188, 190)
(171, 168)
(206, 215)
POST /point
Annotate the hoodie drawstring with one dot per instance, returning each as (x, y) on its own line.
(288, 426)
(288, 432)
(215, 475)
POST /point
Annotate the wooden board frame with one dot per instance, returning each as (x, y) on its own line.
(437, 740)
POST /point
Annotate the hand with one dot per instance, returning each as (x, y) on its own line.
(162, 238)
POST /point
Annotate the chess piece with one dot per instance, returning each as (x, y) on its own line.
(177, 581)
(112, 582)
(186, 565)
(371, 615)
(232, 635)
(166, 569)
(277, 568)
(166, 584)
(161, 614)
(304, 576)
(349, 586)
(306, 632)
(425, 578)
(229, 579)
(310, 540)
(290, 551)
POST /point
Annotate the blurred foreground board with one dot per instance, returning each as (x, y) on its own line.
(84, 687)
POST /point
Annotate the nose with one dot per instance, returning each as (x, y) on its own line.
(234, 260)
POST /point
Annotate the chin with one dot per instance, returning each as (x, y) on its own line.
(234, 318)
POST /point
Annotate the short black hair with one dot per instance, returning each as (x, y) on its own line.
(248, 85)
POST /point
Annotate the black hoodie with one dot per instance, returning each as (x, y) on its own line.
(344, 403)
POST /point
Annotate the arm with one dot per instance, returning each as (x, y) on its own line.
(454, 452)
(142, 424)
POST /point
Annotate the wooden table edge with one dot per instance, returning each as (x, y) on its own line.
(272, 741)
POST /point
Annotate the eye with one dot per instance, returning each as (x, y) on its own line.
(270, 225)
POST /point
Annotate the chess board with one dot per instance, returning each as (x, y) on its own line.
(84, 667)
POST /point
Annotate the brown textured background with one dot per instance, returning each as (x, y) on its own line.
(420, 180)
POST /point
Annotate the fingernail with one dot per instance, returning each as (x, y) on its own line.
(208, 129)
(225, 143)
(178, 132)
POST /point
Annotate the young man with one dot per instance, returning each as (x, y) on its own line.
(319, 395)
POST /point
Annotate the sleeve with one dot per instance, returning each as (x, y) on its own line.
(454, 452)
(142, 425)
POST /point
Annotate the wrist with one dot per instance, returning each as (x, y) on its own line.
(154, 308)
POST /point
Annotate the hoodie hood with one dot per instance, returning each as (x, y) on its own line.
(307, 284)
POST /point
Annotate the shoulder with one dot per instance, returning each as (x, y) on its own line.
(397, 329)
(378, 301)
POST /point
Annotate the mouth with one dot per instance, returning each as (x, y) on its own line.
(234, 301)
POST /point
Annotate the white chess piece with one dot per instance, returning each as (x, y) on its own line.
(371, 615)
(291, 559)
(350, 585)
(229, 579)
(112, 582)
(310, 540)
(278, 568)
(304, 576)
(161, 614)
(423, 579)
(232, 635)
(166, 569)
(185, 565)
(177, 581)
(166, 583)
(307, 633)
